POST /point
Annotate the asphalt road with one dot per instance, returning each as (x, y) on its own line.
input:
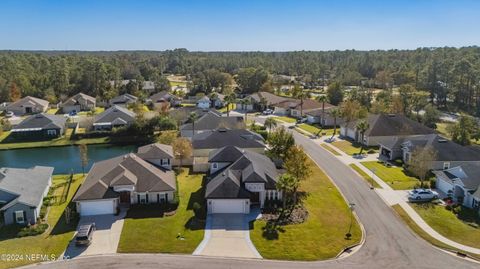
(389, 242)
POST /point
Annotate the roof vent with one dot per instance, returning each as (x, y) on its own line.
(442, 140)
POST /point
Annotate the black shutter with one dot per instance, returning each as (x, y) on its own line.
(25, 217)
(14, 217)
(158, 197)
(146, 198)
(138, 198)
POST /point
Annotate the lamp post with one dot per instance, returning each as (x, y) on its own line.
(352, 207)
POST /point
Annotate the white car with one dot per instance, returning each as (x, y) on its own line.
(422, 194)
(268, 112)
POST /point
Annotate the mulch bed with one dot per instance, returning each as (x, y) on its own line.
(297, 216)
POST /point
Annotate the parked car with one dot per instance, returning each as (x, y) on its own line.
(72, 113)
(268, 112)
(422, 194)
(9, 114)
(302, 120)
(85, 234)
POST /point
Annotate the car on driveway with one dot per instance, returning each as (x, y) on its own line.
(268, 112)
(85, 234)
(422, 195)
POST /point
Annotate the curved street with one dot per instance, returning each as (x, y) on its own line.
(389, 242)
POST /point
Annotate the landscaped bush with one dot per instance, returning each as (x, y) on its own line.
(200, 212)
(433, 183)
(263, 133)
(33, 230)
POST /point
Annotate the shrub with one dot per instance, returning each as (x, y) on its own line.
(33, 230)
(448, 207)
(199, 211)
(433, 183)
(371, 151)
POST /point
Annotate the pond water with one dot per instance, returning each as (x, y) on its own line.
(63, 159)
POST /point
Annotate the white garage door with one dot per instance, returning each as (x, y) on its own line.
(443, 186)
(96, 208)
(228, 206)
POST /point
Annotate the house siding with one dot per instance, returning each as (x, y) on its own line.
(39, 134)
(30, 214)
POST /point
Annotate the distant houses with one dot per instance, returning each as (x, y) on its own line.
(28, 105)
(123, 100)
(79, 102)
(204, 102)
(40, 126)
(114, 117)
(211, 121)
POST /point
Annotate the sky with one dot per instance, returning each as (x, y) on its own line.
(261, 25)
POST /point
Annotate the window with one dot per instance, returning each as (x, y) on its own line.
(165, 161)
(19, 217)
(215, 166)
(51, 132)
(446, 165)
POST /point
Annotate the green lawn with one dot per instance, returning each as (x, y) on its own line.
(285, 119)
(55, 240)
(420, 232)
(394, 176)
(224, 109)
(178, 83)
(364, 175)
(97, 111)
(327, 147)
(313, 129)
(159, 234)
(322, 236)
(449, 225)
(52, 111)
(351, 148)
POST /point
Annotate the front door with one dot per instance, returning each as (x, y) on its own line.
(125, 197)
(255, 198)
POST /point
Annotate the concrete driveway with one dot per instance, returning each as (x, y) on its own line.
(105, 238)
(227, 235)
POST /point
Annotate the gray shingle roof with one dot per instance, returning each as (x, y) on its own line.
(248, 167)
(115, 112)
(128, 168)
(271, 98)
(393, 125)
(28, 100)
(41, 121)
(161, 96)
(155, 151)
(469, 178)
(220, 138)
(212, 120)
(124, 98)
(29, 184)
(74, 100)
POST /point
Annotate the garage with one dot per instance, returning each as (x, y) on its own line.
(443, 186)
(223, 206)
(100, 207)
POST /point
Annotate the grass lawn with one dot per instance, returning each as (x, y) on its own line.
(420, 232)
(314, 129)
(285, 119)
(322, 236)
(159, 234)
(55, 240)
(52, 111)
(364, 175)
(394, 176)
(449, 225)
(187, 104)
(97, 111)
(224, 109)
(351, 148)
(327, 147)
(178, 83)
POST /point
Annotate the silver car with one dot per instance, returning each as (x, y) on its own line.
(422, 194)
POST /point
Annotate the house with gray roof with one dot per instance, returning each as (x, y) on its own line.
(126, 179)
(204, 102)
(462, 183)
(240, 178)
(157, 154)
(123, 100)
(447, 153)
(40, 126)
(22, 192)
(28, 105)
(204, 143)
(211, 121)
(113, 117)
(262, 100)
(383, 128)
(79, 102)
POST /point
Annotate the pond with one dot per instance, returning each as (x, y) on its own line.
(63, 159)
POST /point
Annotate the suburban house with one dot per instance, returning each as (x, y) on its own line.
(383, 128)
(148, 86)
(210, 121)
(157, 154)
(113, 117)
(123, 100)
(293, 107)
(322, 116)
(218, 101)
(28, 105)
(160, 98)
(79, 102)
(261, 100)
(41, 126)
(203, 102)
(22, 192)
(240, 178)
(204, 143)
(124, 180)
(448, 153)
(462, 183)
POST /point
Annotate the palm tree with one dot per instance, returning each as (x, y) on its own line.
(270, 123)
(335, 113)
(245, 102)
(230, 99)
(192, 118)
(323, 99)
(362, 127)
(286, 184)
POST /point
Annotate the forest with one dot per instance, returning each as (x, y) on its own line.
(450, 77)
